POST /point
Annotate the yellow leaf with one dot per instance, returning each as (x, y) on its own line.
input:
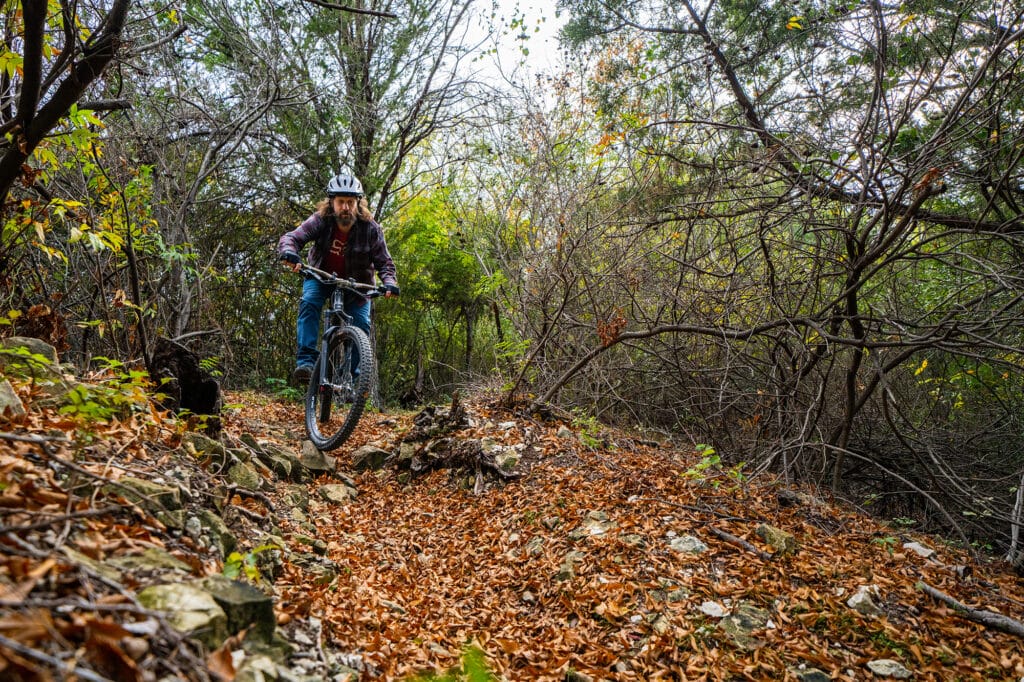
(794, 23)
(924, 365)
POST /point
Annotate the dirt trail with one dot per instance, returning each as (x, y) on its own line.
(618, 561)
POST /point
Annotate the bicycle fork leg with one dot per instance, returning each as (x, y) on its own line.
(323, 363)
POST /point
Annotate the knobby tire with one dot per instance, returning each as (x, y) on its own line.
(334, 409)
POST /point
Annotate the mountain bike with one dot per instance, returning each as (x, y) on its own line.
(340, 382)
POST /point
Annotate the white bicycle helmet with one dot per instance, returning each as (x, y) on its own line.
(344, 185)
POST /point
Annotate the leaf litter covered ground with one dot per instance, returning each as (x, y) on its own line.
(429, 566)
(574, 571)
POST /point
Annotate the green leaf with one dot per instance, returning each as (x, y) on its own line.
(11, 63)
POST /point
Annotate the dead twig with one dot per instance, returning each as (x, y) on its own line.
(55, 519)
(28, 438)
(989, 619)
(80, 604)
(740, 542)
(260, 519)
(245, 492)
(62, 666)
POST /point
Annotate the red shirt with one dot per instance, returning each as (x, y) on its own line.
(334, 259)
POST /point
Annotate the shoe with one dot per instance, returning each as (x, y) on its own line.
(301, 375)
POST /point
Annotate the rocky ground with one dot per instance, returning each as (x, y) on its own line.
(458, 538)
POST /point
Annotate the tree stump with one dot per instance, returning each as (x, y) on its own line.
(187, 386)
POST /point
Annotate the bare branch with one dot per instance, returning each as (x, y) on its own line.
(353, 10)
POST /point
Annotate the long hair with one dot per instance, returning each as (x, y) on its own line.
(326, 209)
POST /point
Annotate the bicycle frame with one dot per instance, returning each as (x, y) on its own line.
(334, 320)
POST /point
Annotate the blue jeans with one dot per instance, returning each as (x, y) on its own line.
(314, 294)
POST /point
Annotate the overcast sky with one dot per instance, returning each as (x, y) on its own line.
(538, 34)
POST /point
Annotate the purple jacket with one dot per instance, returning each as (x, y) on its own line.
(365, 251)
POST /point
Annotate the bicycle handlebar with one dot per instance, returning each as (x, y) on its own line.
(368, 290)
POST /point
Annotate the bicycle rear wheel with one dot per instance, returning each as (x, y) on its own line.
(337, 395)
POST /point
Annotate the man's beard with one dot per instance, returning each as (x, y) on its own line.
(345, 219)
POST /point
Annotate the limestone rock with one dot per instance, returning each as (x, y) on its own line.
(259, 668)
(33, 359)
(688, 544)
(162, 501)
(567, 571)
(204, 447)
(809, 675)
(150, 496)
(275, 456)
(243, 455)
(251, 441)
(317, 545)
(33, 346)
(676, 595)
(337, 493)
(270, 557)
(321, 571)
(281, 465)
(713, 609)
(10, 403)
(245, 607)
(551, 522)
(296, 496)
(633, 540)
(369, 458)
(863, 602)
(595, 523)
(314, 461)
(506, 459)
(887, 667)
(782, 542)
(406, 453)
(225, 539)
(151, 559)
(190, 610)
(103, 569)
(535, 547)
(742, 623)
(245, 476)
(920, 550)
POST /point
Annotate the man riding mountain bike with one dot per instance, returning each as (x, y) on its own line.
(347, 242)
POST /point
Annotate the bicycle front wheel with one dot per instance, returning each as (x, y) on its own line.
(339, 388)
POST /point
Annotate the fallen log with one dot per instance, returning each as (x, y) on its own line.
(989, 619)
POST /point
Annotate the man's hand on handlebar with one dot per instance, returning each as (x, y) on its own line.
(390, 290)
(291, 260)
